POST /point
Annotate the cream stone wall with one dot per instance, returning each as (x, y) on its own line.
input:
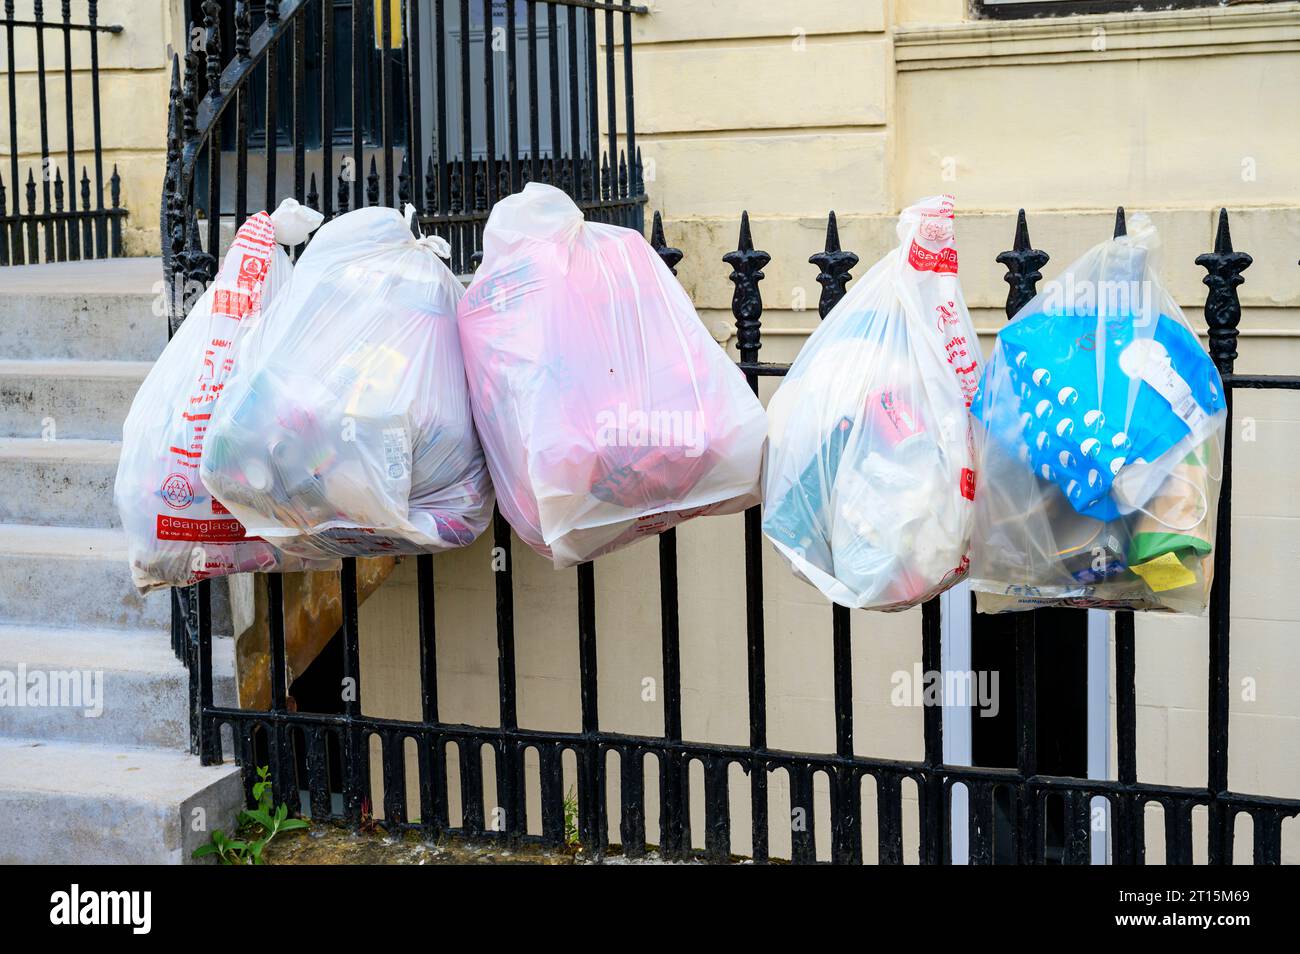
(134, 78)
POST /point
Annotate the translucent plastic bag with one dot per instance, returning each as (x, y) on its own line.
(1103, 427)
(176, 533)
(347, 428)
(870, 466)
(606, 410)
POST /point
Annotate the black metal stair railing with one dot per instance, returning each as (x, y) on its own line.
(72, 222)
(223, 84)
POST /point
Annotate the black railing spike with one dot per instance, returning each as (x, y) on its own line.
(115, 188)
(834, 265)
(372, 183)
(1222, 235)
(313, 196)
(1222, 305)
(604, 176)
(669, 255)
(622, 173)
(404, 181)
(747, 301)
(344, 193)
(639, 178)
(1023, 263)
(1121, 228)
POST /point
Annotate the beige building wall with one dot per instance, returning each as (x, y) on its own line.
(134, 78)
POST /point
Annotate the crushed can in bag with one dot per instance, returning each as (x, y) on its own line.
(347, 430)
(870, 467)
(176, 532)
(607, 412)
(1102, 424)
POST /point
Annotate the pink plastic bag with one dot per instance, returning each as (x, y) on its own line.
(607, 412)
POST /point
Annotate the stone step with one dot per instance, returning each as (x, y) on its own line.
(98, 310)
(73, 576)
(77, 803)
(63, 398)
(130, 687)
(66, 482)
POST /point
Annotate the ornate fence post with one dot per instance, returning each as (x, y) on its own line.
(747, 308)
(1023, 263)
(674, 778)
(1222, 314)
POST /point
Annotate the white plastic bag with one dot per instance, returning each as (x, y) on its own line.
(1102, 432)
(607, 411)
(870, 467)
(176, 533)
(347, 429)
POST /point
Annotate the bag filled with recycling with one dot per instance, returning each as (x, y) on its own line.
(176, 533)
(870, 467)
(1103, 424)
(607, 411)
(346, 429)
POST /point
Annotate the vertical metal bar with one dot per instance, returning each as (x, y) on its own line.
(443, 170)
(1128, 828)
(281, 755)
(593, 111)
(38, 9)
(553, 67)
(747, 308)
(512, 96)
(208, 746)
(243, 31)
(428, 639)
(574, 72)
(511, 776)
(74, 244)
(934, 817)
(611, 89)
(414, 126)
(327, 107)
(467, 134)
(14, 180)
(636, 219)
(385, 107)
(358, 88)
(355, 754)
(101, 236)
(299, 107)
(534, 108)
(590, 766)
(489, 107)
(272, 101)
(1222, 314)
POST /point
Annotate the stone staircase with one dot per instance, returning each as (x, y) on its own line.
(76, 340)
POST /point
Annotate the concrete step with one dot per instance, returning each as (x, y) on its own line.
(73, 576)
(76, 803)
(109, 309)
(129, 687)
(67, 482)
(67, 398)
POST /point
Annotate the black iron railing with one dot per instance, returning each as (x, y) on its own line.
(72, 221)
(299, 745)
(526, 74)
(323, 758)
